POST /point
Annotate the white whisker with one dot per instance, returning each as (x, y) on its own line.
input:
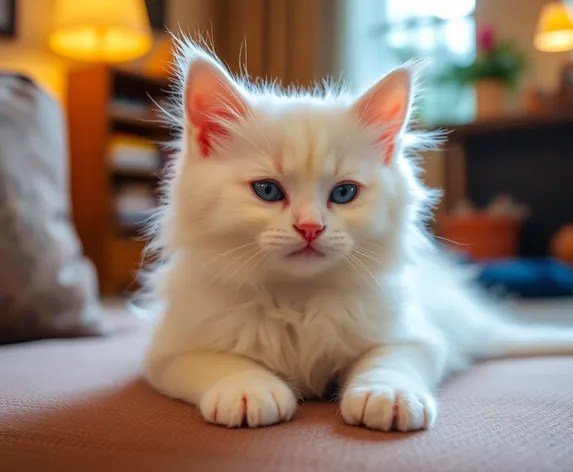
(235, 259)
(244, 263)
(378, 246)
(353, 266)
(258, 261)
(450, 241)
(367, 256)
(228, 252)
(372, 276)
(368, 251)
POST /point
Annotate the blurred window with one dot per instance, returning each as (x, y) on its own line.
(382, 34)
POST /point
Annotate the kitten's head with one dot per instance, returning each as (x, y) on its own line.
(273, 186)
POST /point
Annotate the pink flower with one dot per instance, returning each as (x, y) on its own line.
(485, 39)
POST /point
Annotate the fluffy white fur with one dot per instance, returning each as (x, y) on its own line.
(245, 330)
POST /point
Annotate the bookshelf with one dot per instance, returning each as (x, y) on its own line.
(116, 163)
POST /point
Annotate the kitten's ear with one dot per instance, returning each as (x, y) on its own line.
(387, 106)
(210, 96)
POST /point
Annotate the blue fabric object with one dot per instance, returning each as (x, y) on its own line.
(528, 278)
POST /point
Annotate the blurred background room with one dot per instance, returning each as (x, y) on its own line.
(499, 79)
(82, 155)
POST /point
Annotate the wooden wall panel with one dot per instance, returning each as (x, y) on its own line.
(303, 26)
(291, 40)
(277, 44)
(88, 96)
(246, 38)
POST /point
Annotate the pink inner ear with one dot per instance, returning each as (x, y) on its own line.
(209, 128)
(388, 136)
(386, 105)
(209, 98)
(391, 117)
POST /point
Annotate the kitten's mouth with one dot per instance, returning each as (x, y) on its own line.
(307, 251)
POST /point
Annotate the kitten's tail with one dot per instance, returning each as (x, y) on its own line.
(524, 340)
(484, 326)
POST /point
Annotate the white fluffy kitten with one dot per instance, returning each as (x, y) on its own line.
(294, 256)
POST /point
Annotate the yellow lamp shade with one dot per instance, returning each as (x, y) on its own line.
(555, 29)
(101, 30)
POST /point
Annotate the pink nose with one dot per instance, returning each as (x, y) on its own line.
(309, 231)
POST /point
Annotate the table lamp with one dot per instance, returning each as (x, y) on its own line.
(554, 29)
(101, 30)
(555, 34)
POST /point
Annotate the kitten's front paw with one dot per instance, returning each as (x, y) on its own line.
(252, 399)
(386, 407)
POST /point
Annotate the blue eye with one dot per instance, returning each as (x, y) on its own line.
(343, 193)
(268, 191)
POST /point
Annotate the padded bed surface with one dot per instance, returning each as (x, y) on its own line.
(67, 405)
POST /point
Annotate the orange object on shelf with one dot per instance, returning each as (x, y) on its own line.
(482, 236)
(561, 245)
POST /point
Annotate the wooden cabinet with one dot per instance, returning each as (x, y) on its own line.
(527, 157)
(104, 103)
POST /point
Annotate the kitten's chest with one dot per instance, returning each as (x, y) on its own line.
(310, 341)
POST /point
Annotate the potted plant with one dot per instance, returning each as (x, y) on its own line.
(497, 69)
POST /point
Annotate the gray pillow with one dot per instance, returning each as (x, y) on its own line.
(47, 287)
